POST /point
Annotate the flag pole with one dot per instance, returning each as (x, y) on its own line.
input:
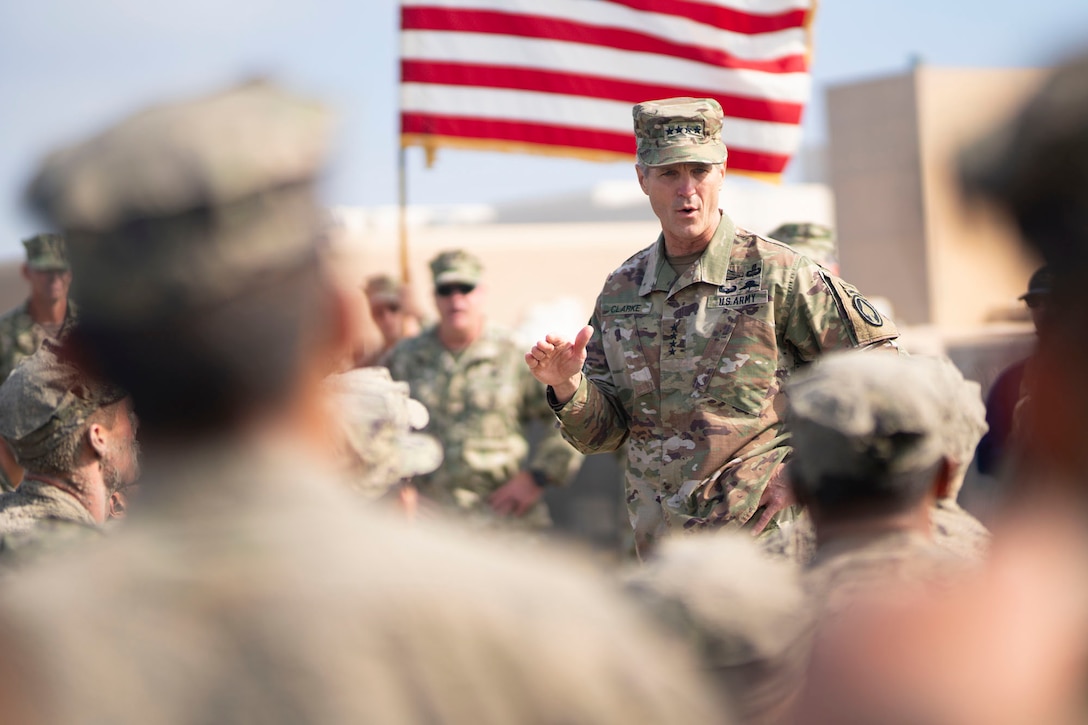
(402, 220)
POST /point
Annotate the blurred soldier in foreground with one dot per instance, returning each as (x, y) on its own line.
(1012, 385)
(481, 399)
(393, 312)
(39, 318)
(1010, 646)
(744, 613)
(691, 340)
(76, 438)
(254, 586)
(870, 462)
(960, 416)
(377, 433)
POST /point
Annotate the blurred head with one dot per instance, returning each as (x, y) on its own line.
(385, 298)
(868, 435)
(202, 285)
(458, 295)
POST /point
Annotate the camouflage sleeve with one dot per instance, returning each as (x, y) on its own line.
(594, 420)
(825, 313)
(553, 459)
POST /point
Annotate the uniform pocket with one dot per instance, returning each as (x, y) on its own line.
(746, 368)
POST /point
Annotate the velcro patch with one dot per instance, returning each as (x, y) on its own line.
(866, 323)
(687, 128)
(757, 297)
(639, 307)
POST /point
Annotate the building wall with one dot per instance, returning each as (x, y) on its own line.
(876, 178)
(904, 230)
(977, 266)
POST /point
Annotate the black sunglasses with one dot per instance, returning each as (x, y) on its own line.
(445, 290)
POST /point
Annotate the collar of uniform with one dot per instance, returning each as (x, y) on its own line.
(62, 504)
(711, 267)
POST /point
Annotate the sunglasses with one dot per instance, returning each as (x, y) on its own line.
(445, 290)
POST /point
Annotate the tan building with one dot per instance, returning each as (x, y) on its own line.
(903, 231)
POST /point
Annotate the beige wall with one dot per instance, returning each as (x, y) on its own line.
(876, 179)
(904, 232)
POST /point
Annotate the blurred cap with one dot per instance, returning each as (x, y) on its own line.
(183, 204)
(815, 241)
(679, 130)
(1041, 282)
(456, 267)
(855, 414)
(46, 399)
(379, 422)
(46, 251)
(383, 288)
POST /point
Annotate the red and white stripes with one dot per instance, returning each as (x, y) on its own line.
(560, 76)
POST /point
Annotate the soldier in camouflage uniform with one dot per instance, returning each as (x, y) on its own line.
(691, 341)
(255, 587)
(39, 318)
(962, 420)
(481, 399)
(870, 462)
(76, 437)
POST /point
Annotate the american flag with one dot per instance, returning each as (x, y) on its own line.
(560, 76)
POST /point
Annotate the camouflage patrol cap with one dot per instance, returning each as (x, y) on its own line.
(858, 414)
(383, 288)
(46, 251)
(815, 241)
(456, 267)
(962, 413)
(679, 130)
(46, 399)
(379, 423)
(183, 204)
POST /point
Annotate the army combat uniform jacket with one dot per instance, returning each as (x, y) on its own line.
(21, 337)
(687, 370)
(481, 401)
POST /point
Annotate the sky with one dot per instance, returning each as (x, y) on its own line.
(69, 68)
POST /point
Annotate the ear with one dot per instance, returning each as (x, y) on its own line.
(97, 437)
(117, 505)
(25, 272)
(642, 180)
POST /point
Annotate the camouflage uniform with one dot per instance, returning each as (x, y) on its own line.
(688, 371)
(36, 500)
(42, 403)
(848, 569)
(20, 336)
(480, 402)
(250, 586)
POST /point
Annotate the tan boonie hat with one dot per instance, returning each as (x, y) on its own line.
(45, 399)
(456, 267)
(182, 205)
(379, 423)
(679, 130)
(383, 288)
(46, 251)
(854, 412)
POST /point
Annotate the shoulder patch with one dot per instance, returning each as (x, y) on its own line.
(866, 323)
